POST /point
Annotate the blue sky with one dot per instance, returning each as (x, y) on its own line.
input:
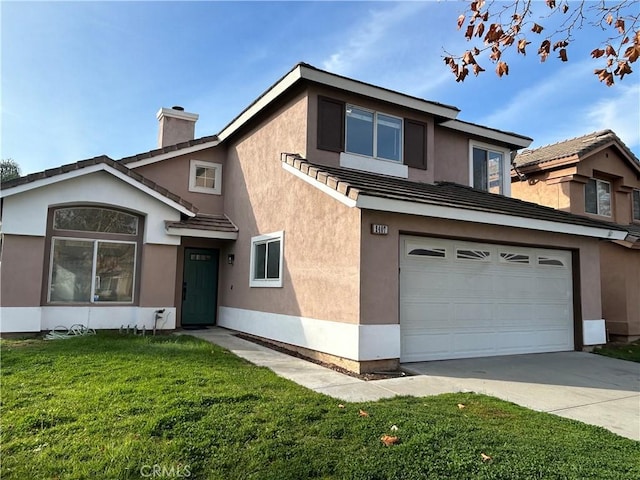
(85, 79)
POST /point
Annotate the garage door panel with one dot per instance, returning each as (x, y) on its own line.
(481, 300)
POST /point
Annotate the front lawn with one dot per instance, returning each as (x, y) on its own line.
(124, 407)
(623, 351)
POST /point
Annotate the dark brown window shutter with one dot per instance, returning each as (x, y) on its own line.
(415, 144)
(330, 124)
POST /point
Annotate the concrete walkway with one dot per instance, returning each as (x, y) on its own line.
(586, 387)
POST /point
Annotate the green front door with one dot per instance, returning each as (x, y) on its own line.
(200, 287)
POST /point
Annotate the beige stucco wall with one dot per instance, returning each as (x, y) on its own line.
(321, 235)
(21, 271)
(333, 159)
(537, 190)
(620, 268)
(380, 258)
(173, 174)
(157, 275)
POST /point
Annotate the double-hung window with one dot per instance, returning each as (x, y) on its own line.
(266, 260)
(488, 169)
(597, 197)
(636, 205)
(373, 134)
(93, 255)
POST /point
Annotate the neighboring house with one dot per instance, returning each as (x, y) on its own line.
(351, 222)
(595, 175)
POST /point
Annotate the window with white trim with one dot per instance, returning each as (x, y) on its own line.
(488, 169)
(266, 260)
(205, 177)
(597, 197)
(373, 134)
(636, 205)
(93, 256)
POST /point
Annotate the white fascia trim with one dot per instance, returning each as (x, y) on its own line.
(149, 191)
(172, 154)
(487, 133)
(194, 232)
(92, 169)
(378, 93)
(451, 213)
(347, 340)
(320, 186)
(292, 77)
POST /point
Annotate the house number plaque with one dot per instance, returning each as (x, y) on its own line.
(378, 229)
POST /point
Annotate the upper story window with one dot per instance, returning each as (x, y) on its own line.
(488, 167)
(372, 141)
(94, 252)
(636, 205)
(205, 177)
(373, 134)
(597, 197)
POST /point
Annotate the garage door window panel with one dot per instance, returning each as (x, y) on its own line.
(514, 258)
(477, 255)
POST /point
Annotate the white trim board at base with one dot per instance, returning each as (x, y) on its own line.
(346, 340)
(36, 319)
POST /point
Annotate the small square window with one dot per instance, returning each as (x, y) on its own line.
(266, 260)
(597, 197)
(205, 177)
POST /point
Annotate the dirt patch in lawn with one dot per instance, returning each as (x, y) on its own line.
(335, 368)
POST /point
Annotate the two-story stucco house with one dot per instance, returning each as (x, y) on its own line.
(351, 222)
(595, 175)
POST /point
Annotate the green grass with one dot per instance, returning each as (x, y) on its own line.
(108, 406)
(626, 351)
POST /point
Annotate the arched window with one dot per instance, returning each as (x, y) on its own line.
(94, 253)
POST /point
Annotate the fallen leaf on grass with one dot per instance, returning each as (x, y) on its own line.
(485, 457)
(461, 406)
(394, 428)
(362, 413)
(389, 440)
(341, 406)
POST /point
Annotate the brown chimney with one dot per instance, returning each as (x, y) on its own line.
(176, 126)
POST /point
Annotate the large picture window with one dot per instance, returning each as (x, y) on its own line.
(93, 256)
(266, 260)
(373, 134)
(597, 197)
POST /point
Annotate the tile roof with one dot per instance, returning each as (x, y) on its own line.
(202, 221)
(353, 183)
(168, 149)
(577, 147)
(103, 159)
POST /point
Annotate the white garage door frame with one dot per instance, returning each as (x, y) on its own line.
(462, 299)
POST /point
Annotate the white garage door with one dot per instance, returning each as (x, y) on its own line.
(462, 299)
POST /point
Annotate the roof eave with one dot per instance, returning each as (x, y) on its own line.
(513, 140)
(306, 72)
(453, 213)
(45, 181)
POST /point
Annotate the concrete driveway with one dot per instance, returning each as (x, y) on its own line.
(593, 389)
(582, 386)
